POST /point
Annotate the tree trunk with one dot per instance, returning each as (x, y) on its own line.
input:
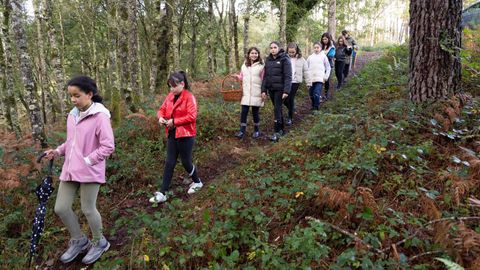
(122, 17)
(155, 41)
(246, 26)
(234, 34)
(174, 34)
(210, 41)
(332, 18)
(58, 84)
(42, 76)
(6, 71)
(133, 48)
(435, 42)
(193, 50)
(283, 23)
(20, 36)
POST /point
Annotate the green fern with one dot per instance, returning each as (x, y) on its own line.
(449, 264)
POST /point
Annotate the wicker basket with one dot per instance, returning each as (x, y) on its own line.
(231, 88)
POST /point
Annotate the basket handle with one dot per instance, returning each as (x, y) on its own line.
(226, 77)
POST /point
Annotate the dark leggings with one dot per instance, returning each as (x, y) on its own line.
(339, 67)
(182, 147)
(290, 100)
(244, 114)
(346, 69)
(276, 97)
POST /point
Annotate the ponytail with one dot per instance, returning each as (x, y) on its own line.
(86, 85)
(178, 77)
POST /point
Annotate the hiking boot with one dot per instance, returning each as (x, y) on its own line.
(194, 187)
(240, 134)
(158, 198)
(256, 134)
(96, 251)
(75, 247)
(289, 121)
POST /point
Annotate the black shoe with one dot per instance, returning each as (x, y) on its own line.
(240, 134)
(275, 137)
(289, 121)
(256, 134)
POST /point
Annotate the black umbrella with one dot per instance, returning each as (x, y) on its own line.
(43, 192)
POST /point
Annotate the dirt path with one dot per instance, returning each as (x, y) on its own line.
(230, 153)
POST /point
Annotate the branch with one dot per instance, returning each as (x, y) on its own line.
(345, 232)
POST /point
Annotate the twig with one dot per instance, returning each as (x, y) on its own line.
(354, 236)
(429, 224)
(425, 254)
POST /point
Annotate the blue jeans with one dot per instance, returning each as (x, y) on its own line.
(315, 92)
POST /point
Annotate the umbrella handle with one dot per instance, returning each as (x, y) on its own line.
(50, 162)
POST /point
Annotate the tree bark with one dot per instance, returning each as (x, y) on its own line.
(133, 48)
(246, 27)
(283, 23)
(210, 41)
(173, 5)
(58, 83)
(7, 69)
(20, 36)
(234, 34)
(435, 42)
(332, 18)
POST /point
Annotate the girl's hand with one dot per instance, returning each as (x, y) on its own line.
(264, 96)
(162, 121)
(169, 123)
(51, 153)
(284, 96)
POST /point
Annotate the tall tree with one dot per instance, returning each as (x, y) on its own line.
(58, 82)
(283, 23)
(210, 41)
(7, 70)
(173, 5)
(20, 36)
(435, 41)
(233, 18)
(133, 47)
(246, 26)
(332, 15)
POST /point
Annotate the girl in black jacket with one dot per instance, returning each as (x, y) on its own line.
(341, 53)
(277, 81)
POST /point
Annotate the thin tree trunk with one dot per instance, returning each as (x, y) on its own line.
(122, 17)
(332, 17)
(133, 48)
(34, 112)
(435, 42)
(155, 40)
(193, 51)
(246, 27)
(6, 71)
(58, 84)
(210, 41)
(42, 76)
(174, 34)
(283, 23)
(234, 34)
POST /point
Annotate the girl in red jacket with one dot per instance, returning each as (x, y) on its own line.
(178, 114)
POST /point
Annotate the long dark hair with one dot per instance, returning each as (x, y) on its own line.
(177, 77)
(338, 42)
(293, 45)
(248, 62)
(86, 85)
(330, 41)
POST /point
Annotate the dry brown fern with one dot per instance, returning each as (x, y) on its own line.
(440, 229)
(461, 187)
(368, 199)
(452, 115)
(467, 242)
(332, 198)
(444, 122)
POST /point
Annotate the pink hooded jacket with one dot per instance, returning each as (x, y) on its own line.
(89, 142)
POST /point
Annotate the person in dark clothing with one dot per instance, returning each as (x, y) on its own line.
(277, 81)
(341, 53)
(349, 42)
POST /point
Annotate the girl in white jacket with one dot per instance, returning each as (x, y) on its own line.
(319, 72)
(251, 76)
(299, 71)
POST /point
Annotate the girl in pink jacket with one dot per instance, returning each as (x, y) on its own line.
(89, 142)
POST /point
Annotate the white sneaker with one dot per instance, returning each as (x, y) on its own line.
(158, 198)
(194, 187)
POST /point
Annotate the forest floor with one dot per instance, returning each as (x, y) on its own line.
(371, 166)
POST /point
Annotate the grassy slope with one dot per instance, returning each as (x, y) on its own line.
(368, 163)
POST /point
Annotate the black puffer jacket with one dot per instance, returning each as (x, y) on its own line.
(342, 53)
(278, 73)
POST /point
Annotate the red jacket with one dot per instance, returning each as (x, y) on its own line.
(183, 112)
